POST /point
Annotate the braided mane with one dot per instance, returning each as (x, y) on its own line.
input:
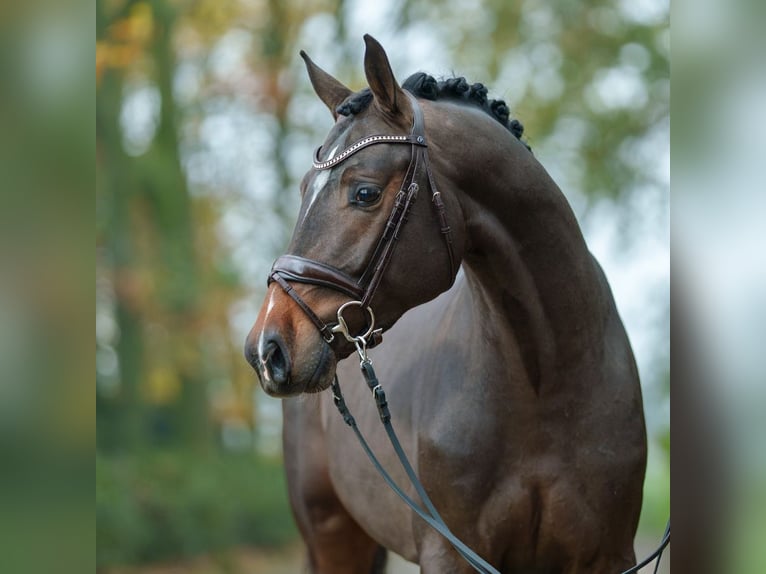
(424, 86)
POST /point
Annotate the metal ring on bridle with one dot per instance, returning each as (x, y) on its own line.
(342, 326)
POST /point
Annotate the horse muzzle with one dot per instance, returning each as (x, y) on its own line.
(271, 362)
(287, 353)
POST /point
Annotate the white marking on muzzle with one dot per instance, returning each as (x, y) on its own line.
(269, 308)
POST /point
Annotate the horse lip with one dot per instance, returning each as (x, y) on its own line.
(313, 385)
(273, 389)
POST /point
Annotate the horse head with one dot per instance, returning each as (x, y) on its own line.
(361, 238)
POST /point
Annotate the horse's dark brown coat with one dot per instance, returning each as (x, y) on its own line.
(515, 392)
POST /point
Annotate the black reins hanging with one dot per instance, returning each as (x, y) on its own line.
(429, 515)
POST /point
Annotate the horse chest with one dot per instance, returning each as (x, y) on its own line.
(455, 438)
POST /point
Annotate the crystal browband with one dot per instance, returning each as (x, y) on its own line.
(363, 143)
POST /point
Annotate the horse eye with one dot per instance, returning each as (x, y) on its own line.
(366, 195)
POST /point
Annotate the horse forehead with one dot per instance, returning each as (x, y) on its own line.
(342, 135)
(338, 135)
(318, 180)
(317, 184)
(349, 129)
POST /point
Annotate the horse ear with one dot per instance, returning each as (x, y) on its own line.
(329, 90)
(389, 97)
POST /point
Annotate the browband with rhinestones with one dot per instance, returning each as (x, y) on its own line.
(363, 143)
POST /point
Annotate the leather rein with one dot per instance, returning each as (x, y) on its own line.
(293, 268)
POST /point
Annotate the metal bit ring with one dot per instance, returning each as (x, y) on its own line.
(342, 326)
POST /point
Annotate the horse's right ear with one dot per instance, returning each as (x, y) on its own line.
(329, 90)
(389, 97)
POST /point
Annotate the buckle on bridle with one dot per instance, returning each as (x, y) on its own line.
(342, 326)
(362, 340)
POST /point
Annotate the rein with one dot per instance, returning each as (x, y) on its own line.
(430, 515)
(293, 268)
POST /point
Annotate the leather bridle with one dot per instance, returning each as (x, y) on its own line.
(293, 268)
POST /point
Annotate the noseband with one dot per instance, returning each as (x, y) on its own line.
(293, 268)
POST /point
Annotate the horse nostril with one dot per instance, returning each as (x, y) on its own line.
(275, 362)
(251, 355)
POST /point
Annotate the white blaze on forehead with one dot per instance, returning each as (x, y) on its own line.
(319, 182)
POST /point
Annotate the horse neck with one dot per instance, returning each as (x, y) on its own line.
(526, 260)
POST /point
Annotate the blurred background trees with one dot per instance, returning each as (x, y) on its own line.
(205, 125)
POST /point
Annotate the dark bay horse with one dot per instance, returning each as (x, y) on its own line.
(509, 374)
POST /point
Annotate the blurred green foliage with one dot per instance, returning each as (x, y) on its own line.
(745, 552)
(655, 508)
(172, 504)
(47, 415)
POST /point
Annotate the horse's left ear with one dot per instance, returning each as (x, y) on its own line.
(389, 97)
